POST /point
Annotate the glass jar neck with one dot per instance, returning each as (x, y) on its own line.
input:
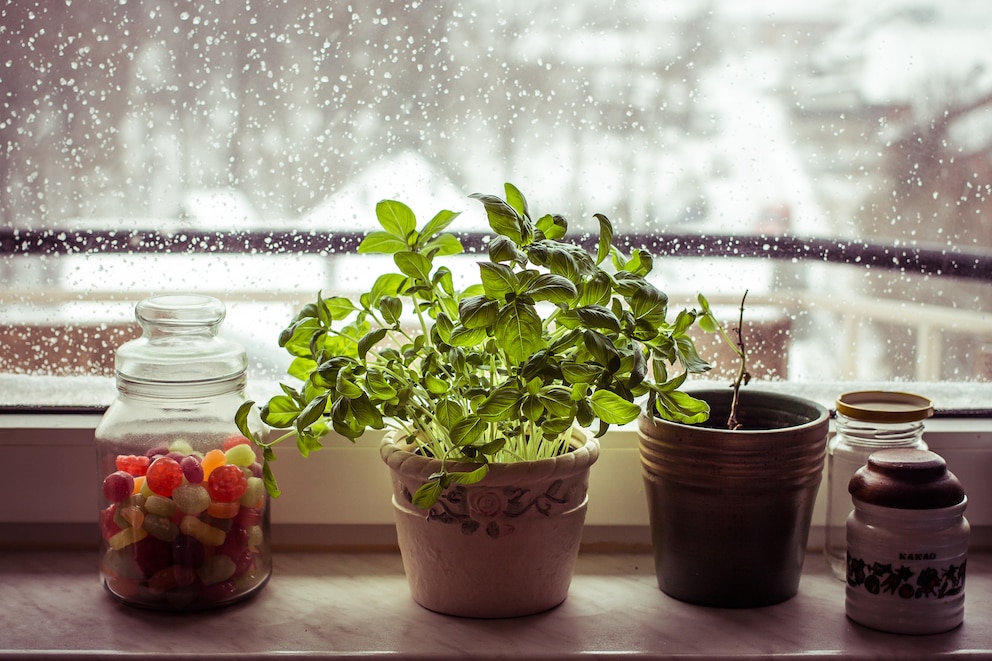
(879, 434)
(179, 390)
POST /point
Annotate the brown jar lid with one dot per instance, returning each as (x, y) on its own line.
(906, 478)
(884, 406)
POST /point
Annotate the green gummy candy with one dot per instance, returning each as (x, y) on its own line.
(240, 455)
(181, 445)
(160, 505)
(191, 498)
(160, 527)
(217, 569)
(254, 492)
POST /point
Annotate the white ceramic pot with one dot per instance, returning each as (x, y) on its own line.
(504, 547)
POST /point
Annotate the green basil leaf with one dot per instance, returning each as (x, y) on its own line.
(501, 404)
(502, 249)
(596, 290)
(467, 337)
(444, 244)
(502, 218)
(296, 338)
(650, 304)
(469, 477)
(477, 312)
(413, 265)
(438, 224)
(301, 367)
(241, 419)
(391, 309)
(468, 430)
(378, 386)
(312, 412)
(281, 412)
(605, 238)
(387, 284)
(498, 280)
(679, 406)
(380, 242)
(602, 350)
(396, 218)
(365, 413)
(270, 481)
(557, 400)
(689, 356)
(516, 199)
(553, 288)
(338, 307)
(613, 409)
(435, 385)
(580, 372)
(428, 494)
(518, 330)
(448, 412)
(369, 340)
(346, 387)
(532, 408)
(552, 227)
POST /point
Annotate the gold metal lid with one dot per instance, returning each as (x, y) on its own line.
(884, 406)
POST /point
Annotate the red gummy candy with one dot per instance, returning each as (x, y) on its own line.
(151, 555)
(108, 527)
(132, 464)
(231, 441)
(163, 476)
(118, 486)
(248, 517)
(227, 483)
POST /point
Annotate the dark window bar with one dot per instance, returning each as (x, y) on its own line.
(973, 264)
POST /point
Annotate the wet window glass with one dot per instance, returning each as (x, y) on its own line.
(829, 158)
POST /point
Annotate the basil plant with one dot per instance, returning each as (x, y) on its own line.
(549, 337)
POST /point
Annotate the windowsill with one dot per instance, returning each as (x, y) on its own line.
(348, 605)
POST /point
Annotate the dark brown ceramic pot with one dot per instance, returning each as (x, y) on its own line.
(730, 510)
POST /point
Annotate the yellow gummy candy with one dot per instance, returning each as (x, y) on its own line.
(133, 515)
(204, 532)
(127, 537)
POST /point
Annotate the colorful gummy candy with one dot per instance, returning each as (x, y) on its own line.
(164, 474)
(117, 486)
(184, 529)
(227, 483)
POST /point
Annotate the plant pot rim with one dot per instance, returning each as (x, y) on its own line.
(584, 453)
(709, 395)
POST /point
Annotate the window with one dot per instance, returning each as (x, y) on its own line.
(833, 159)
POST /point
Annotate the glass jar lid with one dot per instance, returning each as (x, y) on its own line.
(180, 342)
(884, 406)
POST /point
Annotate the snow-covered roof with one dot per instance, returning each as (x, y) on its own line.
(408, 177)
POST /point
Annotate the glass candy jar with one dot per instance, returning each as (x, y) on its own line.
(866, 421)
(183, 509)
(907, 541)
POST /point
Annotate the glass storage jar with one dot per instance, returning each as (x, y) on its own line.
(184, 514)
(866, 421)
